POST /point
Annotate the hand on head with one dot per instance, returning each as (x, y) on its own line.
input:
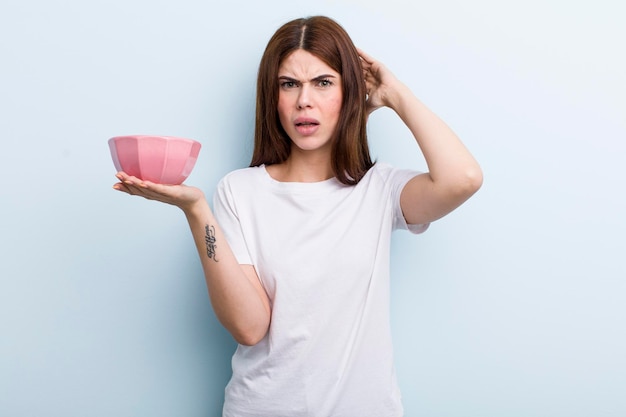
(379, 82)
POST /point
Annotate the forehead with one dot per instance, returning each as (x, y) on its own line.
(301, 63)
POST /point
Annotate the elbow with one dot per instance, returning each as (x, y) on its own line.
(468, 183)
(248, 340)
(473, 180)
(250, 337)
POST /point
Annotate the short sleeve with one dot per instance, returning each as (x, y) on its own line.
(398, 179)
(225, 210)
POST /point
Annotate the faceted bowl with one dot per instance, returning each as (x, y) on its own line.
(159, 159)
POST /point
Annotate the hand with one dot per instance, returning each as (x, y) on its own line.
(379, 82)
(181, 196)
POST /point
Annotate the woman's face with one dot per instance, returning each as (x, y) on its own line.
(309, 101)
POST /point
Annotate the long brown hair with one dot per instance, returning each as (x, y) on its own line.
(327, 40)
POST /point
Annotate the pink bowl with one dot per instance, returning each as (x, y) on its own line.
(159, 159)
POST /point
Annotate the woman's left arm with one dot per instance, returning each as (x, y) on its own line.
(453, 173)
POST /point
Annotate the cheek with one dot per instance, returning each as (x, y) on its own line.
(335, 107)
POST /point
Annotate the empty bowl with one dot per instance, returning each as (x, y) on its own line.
(159, 159)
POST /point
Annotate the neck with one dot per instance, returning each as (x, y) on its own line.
(302, 168)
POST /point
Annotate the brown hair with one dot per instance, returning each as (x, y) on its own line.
(327, 40)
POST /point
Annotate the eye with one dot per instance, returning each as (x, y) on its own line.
(325, 83)
(288, 84)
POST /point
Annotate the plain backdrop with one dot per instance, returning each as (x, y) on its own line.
(513, 305)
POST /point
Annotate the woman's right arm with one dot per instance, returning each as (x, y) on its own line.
(238, 299)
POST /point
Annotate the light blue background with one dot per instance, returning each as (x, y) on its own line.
(514, 305)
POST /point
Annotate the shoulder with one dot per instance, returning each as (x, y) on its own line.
(239, 185)
(241, 177)
(389, 174)
(380, 170)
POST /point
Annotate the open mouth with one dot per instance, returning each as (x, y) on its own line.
(306, 127)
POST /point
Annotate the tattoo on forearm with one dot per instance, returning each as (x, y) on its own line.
(209, 239)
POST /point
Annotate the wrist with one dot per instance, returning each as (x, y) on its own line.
(196, 208)
(396, 95)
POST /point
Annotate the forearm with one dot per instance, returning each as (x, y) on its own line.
(237, 302)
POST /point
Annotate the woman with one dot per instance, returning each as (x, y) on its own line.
(296, 256)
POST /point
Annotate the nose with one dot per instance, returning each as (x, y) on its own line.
(304, 97)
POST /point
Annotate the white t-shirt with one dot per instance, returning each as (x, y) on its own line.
(321, 251)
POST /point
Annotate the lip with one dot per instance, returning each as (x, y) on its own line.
(306, 126)
(306, 121)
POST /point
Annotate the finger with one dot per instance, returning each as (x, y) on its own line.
(365, 57)
(123, 176)
(153, 191)
(126, 179)
(120, 186)
(132, 181)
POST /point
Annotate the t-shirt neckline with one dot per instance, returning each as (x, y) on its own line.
(330, 184)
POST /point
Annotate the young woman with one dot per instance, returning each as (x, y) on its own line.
(296, 252)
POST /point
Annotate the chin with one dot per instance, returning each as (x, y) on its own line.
(311, 143)
(307, 146)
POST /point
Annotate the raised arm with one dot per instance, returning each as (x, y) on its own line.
(238, 299)
(453, 173)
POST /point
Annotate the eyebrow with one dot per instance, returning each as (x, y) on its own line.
(318, 78)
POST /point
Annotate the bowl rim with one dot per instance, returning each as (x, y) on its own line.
(144, 136)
